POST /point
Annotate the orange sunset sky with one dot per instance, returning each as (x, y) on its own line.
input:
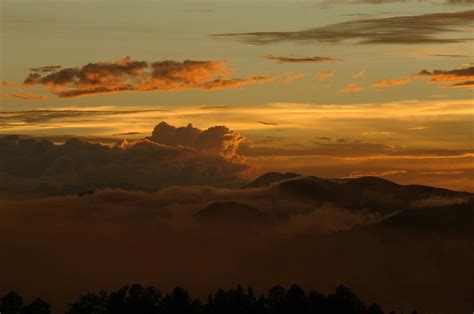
(325, 88)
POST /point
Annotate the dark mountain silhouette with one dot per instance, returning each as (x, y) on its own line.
(234, 212)
(312, 188)
(450, 218)
(270, 178)
(362, 193)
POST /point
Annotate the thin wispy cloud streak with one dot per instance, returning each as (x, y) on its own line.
(290, 59)
(417, 29)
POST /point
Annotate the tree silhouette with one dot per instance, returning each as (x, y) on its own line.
(12, 303)
(136, 299)
(235, 301)
(143, 300)
(179, 302)
(317, 302)
(276, 300)
(91, 302)
(345, 301)
(296, 301)
(38, 306)
(374, 309)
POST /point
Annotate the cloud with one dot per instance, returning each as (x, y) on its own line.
(449, 55)
(289, 59)
(139, 76)
(23, 96)
(378, 133)
(463, 84)
(460, 77)
(459, 2)
(359, 74)
(417, 128)
(449, 75)
(392, 83)
(267, 123)
(385, 173)
(445, 2)
(47, 69)
(221, 83)
(416, 29)
(324, 75)
(352, 88)
(128, 133)
(118, 237)
(171, 156)
(217, 139)
(442, 172)
(291, 77)
(323, 138)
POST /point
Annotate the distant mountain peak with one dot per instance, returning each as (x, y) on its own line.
(271, 177)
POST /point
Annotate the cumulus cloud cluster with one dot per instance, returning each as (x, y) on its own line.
(171, 156)
(217, 139)
(130, 75)
(416, 29)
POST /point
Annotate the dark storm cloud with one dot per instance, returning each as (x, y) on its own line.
(129, 75)
(217, 139)
(417, 29)
(146, 164)
(287, 59)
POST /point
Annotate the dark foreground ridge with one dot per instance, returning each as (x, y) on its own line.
(148, 300)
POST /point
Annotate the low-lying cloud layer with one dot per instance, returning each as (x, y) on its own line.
(113, 237)
(141, 76)
(426, 28)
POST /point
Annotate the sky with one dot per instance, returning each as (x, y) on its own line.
(324, 88)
